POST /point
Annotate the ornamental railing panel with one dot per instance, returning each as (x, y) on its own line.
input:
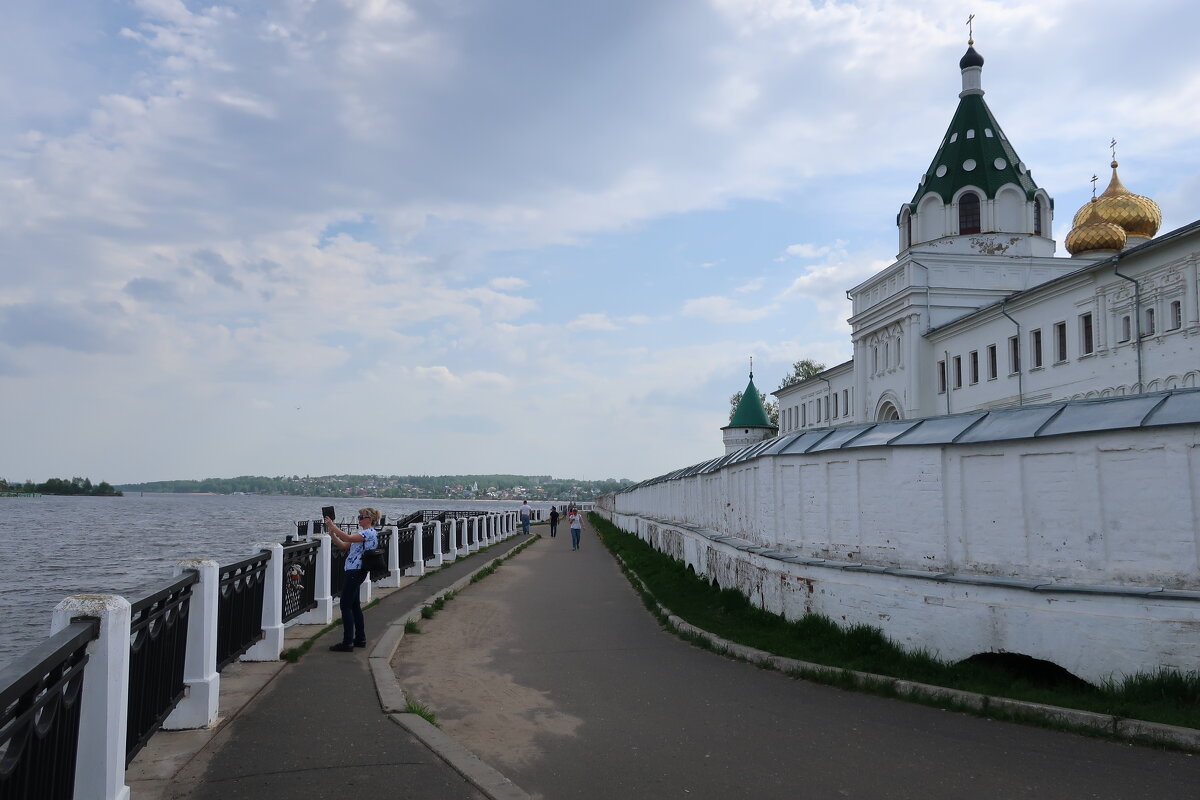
(239, 607)
(427, 542)
(299, 579)
(41, 694)
(404, 541)
(337, 570)
(157, 646)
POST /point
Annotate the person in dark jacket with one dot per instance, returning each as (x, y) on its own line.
(553, 520)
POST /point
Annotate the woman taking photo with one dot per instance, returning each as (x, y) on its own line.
(354, 633)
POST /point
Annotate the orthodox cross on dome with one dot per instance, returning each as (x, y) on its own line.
(1094, 179)
(971, 30)
(1113, 146)
(751, 367)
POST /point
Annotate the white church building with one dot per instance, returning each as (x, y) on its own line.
(976, 312)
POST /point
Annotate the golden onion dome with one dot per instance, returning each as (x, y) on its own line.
(1137, 215)
(1092, 233)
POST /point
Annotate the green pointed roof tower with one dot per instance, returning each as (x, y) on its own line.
(979, 177)
(749, 423)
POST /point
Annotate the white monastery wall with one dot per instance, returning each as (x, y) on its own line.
(1083, 550)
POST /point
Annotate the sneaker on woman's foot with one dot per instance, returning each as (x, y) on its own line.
(342, 647)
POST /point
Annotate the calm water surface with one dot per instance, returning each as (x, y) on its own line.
(58, 546)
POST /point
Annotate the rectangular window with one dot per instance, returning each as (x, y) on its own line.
(1014, 355)
(1060, 342)
(835, 408)
(818, 410)
(1148, 328)
(941, 377)
(1126, 333)
(827, 408)
(804, 415)
(957, 361)
(1035, 349)
(1087, 341)
(1176, 315)
(974, 366)
(846, 402)
(993, 367)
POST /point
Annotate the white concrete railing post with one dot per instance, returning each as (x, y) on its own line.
(271, 645)
(100, 757)
(323, 585)
(198, 708)
(437, 559)
(418, 567)
(463, 530)
(393, 566)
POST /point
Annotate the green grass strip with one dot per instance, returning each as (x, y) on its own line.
(1166, 696)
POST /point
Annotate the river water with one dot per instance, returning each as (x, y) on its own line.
(58, 546)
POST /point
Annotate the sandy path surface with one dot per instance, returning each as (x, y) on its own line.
(448, 667)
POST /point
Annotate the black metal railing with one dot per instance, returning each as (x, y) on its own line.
(447, 545)
(461, 534)
(385, 544)
(157, 647)
(404, 541)
(41, 694)
(239, 607)
(427, 542)
(337, 570)
(299, 579)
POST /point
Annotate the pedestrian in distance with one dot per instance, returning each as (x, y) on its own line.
(553, 521)
(576, 527)
(354, 631)
(526, 514)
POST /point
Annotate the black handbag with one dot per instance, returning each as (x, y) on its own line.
(375, 562)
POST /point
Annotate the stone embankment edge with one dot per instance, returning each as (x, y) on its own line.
(1135, 730)
(392, 700)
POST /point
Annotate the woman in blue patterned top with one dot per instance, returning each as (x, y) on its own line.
(354, 633)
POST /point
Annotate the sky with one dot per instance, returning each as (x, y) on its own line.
(312, 237)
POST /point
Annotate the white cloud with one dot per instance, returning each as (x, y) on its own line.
(509, 284)
(592, 322)
(723, 310)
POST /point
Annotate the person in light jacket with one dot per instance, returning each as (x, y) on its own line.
(354, 631)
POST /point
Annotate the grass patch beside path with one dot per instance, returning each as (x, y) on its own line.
(1167, 697)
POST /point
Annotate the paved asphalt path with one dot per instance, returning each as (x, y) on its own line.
(318, 732)
(664, 719)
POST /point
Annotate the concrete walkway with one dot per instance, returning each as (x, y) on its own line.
(313, 729)
(554, 673)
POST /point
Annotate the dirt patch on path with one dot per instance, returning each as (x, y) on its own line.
(449, 668)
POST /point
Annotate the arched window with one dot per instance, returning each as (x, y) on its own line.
(888, 411)
(1037, 216)
(968, 213)
(908, 240)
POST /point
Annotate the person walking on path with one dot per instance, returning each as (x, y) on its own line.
(526, 514)
(576, 527)
(553, 521)
(354, 632)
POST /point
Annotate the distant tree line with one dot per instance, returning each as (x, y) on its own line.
(62, 486)
(431, 486)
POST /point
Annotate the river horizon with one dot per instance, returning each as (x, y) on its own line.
(130, 544)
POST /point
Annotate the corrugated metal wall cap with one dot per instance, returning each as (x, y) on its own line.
(1010, 423)
(1102, 415)
(806, 440)
(883, 433)
(1179, 408)
(840, 437)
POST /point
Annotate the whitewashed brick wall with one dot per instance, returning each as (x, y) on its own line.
(1089, 519)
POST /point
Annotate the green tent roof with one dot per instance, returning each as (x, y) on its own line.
(750, 412)
(974, 152)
